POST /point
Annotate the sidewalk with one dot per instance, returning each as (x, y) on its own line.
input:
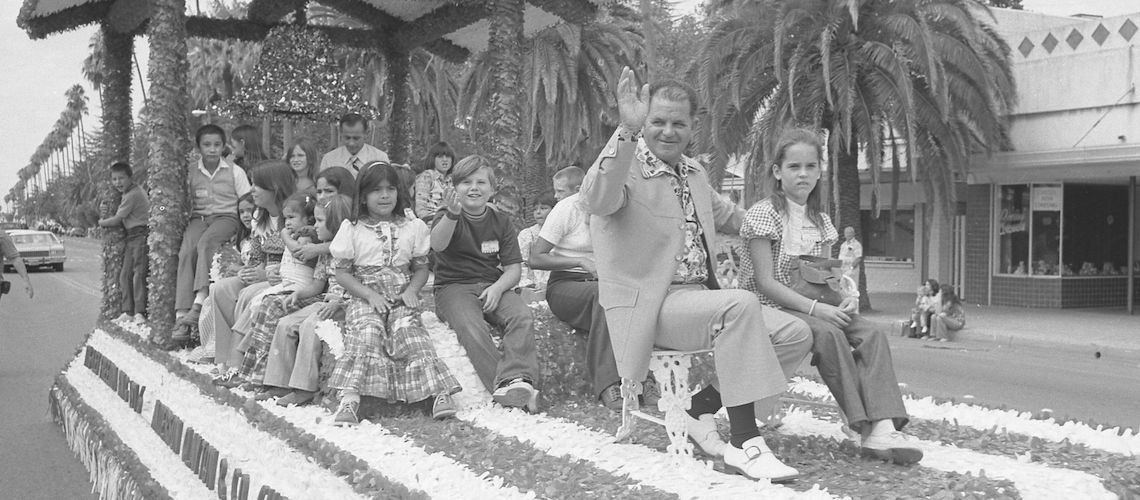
(1101, 328)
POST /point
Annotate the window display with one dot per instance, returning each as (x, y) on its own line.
(1013, 230)
(1096, 230)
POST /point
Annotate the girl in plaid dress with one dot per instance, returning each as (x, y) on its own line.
(381, 261)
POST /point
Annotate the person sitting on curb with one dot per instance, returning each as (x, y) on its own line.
(654, 218)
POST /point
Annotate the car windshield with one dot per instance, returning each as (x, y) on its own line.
(42, 239)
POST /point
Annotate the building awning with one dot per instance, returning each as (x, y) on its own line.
(1097, 163)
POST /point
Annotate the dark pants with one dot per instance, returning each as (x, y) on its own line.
(460, 307)
(573, 298)
(201, 239)
(132, 278)
(855, 363)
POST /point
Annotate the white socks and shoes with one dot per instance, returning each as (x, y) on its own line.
(886, 443)
(702, 432)
(755, 460)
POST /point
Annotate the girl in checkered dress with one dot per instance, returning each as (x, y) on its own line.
(381, 261)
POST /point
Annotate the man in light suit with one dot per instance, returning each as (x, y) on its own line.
(654, 218)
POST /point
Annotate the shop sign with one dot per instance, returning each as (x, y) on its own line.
(1047, 198)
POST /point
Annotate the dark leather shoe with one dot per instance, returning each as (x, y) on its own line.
(611, 397)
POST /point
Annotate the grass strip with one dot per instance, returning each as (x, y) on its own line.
(833, 465)
(515, 461)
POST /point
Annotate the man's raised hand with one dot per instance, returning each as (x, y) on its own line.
(633, 103)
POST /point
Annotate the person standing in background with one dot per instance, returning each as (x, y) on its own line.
(851, 253)
(353, 153)
(8, 251)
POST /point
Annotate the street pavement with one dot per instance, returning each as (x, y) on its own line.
(37, 338)
(1083, 364)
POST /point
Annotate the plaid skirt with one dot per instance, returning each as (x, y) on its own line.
(389, 356)
(262, 325)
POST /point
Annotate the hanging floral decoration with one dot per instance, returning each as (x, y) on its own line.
(297, 76)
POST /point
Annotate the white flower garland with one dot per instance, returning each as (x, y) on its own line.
(328, 331)
(134, 431)
(1032, 480)
(266, 459)
(981, 418)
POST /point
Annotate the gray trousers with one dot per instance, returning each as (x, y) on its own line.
(459, 306)
(132, 278)
(573, 298)
(732, 323)
(201, 239)
(228, 299)
(855, 363)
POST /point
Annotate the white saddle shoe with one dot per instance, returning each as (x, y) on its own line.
(756, 461)
(703, 433)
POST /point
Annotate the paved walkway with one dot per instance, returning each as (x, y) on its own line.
(1101, 329)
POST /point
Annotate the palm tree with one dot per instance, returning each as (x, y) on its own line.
(166, 121)
(569, 73)
(931, 70)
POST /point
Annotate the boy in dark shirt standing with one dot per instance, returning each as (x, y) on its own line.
(477, 267)
(132, 215)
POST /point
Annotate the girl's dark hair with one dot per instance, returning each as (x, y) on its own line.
(375, 173)
(933, 284)
(949, 297)
(243, 232)
(337, 210)
(544, 199)
(340, 178)
(774, 187)
(440, 148)
(209, 129)
(251, 139)
(310, 156)
(277, 177)
(303, 202)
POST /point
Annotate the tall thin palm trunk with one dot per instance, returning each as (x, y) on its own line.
(506, 50)
(116, 99)
(166, 166)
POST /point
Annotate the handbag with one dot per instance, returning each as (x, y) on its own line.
(819, 279)
(5, 287)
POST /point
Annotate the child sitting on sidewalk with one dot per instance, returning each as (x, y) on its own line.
(132, 215)
(924, 303)
(476, 270)
(381, 260)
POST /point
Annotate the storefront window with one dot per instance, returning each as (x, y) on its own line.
(1047, 203)
(1096, 230)
(1013, 230)
(883, 244)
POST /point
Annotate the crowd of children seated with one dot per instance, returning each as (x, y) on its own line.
(277, 251)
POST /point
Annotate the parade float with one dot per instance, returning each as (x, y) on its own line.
(146, 423)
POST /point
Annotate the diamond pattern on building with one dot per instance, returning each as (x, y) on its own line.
(1050, 42)
(1025, 47)
(1128, 29)
(1100, 34)
(1074, 39)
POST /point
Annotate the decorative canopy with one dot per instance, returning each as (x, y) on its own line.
(297, 76)
(452, 29)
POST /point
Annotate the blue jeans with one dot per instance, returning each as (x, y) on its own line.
(459, 306)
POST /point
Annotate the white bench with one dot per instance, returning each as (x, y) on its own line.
(671, 369)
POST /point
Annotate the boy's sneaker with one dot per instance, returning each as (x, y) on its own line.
(124, 317)
(230, 379)
(140, 318)
(443, 407)
(346, 414)
(517, 394)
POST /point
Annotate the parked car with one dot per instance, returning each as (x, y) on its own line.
(38, 248)
(8, 226)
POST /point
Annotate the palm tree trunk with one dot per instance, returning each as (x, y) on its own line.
(116, 98)
(847, 180)
(399, 124)
(505, 113)
(166, 163)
